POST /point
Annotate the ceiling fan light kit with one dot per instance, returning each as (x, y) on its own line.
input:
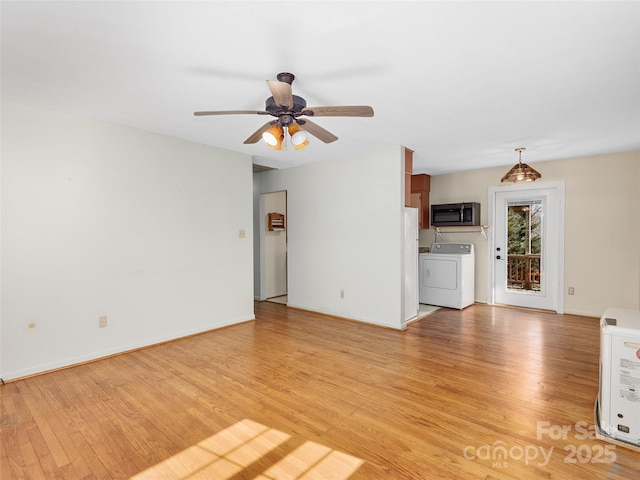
(278, 144)
(302, 145)
(298, 136)
(521, 172)
(275, 137)
(272, 136)
(287, 108)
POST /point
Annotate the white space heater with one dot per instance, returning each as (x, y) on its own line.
(618, 404)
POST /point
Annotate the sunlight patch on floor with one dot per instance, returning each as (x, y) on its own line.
(230, 451)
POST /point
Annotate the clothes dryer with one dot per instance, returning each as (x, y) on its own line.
(447, 275)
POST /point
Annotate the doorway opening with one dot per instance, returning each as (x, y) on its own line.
(273, 285)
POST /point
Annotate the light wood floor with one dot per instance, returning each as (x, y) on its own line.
(296, 393)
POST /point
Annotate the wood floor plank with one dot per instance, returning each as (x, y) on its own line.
(461, 394)
(69, 439)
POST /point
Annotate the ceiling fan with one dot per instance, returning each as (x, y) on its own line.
(288, 108)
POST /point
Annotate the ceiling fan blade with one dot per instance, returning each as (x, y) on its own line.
(317, 131)
(256, 136)
(344, 111)
(281, 92)
(232, 112)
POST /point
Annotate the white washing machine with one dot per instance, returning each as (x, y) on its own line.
(447, 275)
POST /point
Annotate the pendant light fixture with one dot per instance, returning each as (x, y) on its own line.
(521, 172)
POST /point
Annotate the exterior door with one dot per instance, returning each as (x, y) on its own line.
(527, 246)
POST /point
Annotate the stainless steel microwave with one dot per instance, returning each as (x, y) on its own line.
(455, 214)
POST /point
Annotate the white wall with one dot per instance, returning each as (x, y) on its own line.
(602, 204)
(345, 232)
(100, 219)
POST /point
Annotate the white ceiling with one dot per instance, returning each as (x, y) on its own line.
(461, 83)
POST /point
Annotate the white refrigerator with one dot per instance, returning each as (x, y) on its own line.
(411, 302)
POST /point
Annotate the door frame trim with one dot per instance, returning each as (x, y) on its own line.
(559, 185)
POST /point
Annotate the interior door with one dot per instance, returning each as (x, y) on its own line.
(527, 246)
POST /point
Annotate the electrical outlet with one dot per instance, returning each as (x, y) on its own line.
(241, 233)
(102, 321)
(572, 291)
(341, 293)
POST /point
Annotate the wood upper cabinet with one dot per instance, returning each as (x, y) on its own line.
(408, 170)
(420, 187)
(416, 191)
(420, 183)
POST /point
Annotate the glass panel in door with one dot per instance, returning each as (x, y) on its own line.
(524, 246)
